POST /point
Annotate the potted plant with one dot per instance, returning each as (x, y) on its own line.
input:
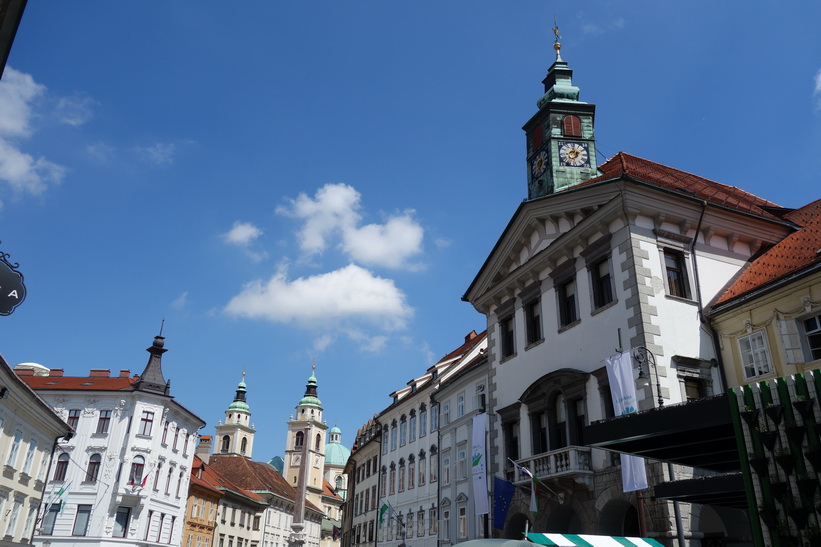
(750, 415)
(803, 405)
(786, 460)
(775, 412)
(768, 439)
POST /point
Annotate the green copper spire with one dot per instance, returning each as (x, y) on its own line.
(561, 146)
(310, 398)
(239, 400)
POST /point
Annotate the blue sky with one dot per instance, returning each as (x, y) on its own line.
(290, 182)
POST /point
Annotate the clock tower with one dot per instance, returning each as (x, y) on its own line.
(561, 147)
(236, 436)
(305, 445)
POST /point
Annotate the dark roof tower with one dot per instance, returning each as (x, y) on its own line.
(561, 147)
(152, 380)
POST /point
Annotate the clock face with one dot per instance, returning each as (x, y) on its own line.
(295, 459)
(574, 154)
(538, 164)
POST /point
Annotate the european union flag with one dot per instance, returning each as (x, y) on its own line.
(502, 495)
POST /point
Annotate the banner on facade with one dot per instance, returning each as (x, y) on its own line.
(623, 389)
(478, 467)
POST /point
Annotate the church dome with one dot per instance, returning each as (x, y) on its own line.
(239, 403)
(336, 454)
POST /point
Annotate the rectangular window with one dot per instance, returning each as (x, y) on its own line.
(566, 295)
(434, 467)
(30, 455)
(676, 274)
(409, 525)
(446, 468)
(602, 283)
(15, 448)
(146, 421)
(13, 516)
(403, 433)
(463, 463)
(507, 337)
(121, 522)
(422, 472)
(73, 417)
(432, 521)
(463, 522)
(460, 405)
(423, 422)
(446, 412)
(27, 527)
(393, 437)
(481, 398)
(81, 520)
(411, 474)
(103, 422)
(812, 334)
(533, 321)
(434, 418)
(755, 355)
(412, 426)
(402, 478)
(49, 518)
(420, 523)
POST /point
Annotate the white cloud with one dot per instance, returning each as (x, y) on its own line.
(242, 234)
(322, 343)
(389, 244)
(332, 215)
(350, 294)
(17, 93)
(158, 153)
(334, 207)
(21, 171)
(24, 173)
(817, 91)
(100, 151)
(75, 110)
(180, 302)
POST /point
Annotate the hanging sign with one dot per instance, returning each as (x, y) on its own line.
(12, 289)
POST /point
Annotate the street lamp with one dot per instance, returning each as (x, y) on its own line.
(644, 356)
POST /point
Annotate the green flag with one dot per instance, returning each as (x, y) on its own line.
(382, 512)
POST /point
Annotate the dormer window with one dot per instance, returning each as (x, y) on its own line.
(571, 126)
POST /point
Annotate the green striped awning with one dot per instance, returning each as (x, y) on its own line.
(573, 540)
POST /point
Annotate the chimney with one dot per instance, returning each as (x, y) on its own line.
(124, 373)
(470, 336)
(204, 448)
(24, 371)
(55, 372)
(99, 373)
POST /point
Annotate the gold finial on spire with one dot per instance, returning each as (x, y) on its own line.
(556, 45)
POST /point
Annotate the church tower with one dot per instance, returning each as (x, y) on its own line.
(306, 435)
(236, 436)
(561, 146)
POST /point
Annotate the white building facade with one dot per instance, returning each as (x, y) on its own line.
(585, 269)
(123, 478)
(29, 429)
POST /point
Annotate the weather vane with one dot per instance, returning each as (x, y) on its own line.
(556, 45)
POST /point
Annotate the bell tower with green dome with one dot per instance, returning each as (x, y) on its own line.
(306, 438)
(561, 146)
(235, 437)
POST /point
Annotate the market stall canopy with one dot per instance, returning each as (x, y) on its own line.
(573, 540)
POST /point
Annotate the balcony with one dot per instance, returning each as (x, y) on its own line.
(571, 462)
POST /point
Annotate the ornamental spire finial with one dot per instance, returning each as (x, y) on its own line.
(556, 45)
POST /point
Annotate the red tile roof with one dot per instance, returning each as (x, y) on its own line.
(254, 476)
(625, 165)
(470, 340)
(79, 383)
(209, 478)
(795, 252)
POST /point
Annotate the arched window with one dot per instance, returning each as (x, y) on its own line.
(243, 446)
(61, 468)
(339, 482)
(318, 442)
(571, 126)
(93, 470)
(299, 439)
(226, 444)
(135, 477)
